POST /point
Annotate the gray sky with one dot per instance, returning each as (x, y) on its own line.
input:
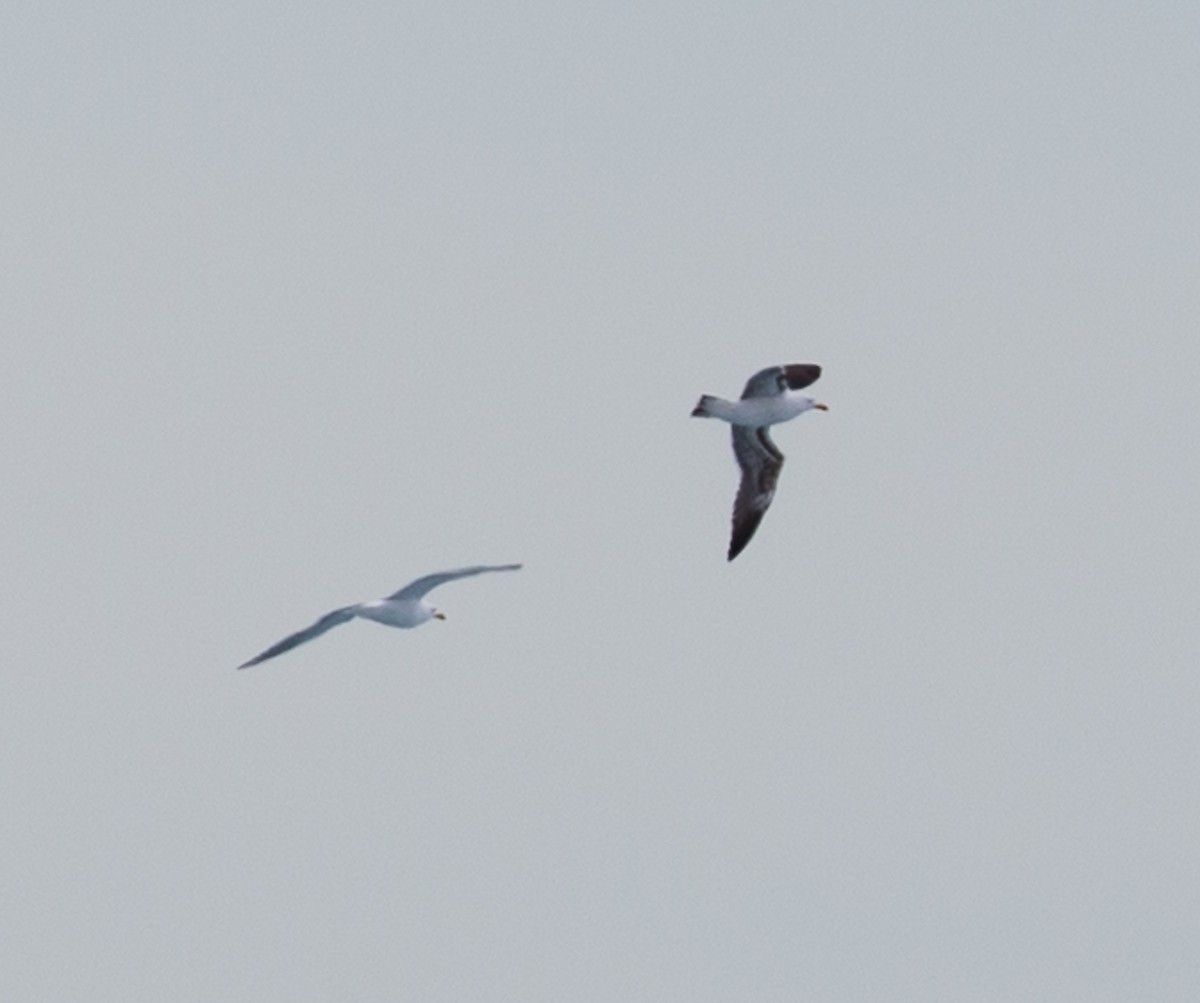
(303, 301)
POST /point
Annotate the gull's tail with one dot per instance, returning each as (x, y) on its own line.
(703, 407)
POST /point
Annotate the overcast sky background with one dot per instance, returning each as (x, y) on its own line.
(302, 301)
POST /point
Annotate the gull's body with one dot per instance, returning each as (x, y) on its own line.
(770, 397)
(404, 608)
(756, 412)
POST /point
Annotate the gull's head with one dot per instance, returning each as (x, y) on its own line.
(811, 405)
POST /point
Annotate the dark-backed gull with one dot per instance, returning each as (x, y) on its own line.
(768, 399)
(404, 608)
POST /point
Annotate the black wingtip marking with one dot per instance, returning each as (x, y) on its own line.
(802, 374)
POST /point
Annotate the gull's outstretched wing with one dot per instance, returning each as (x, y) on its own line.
(417, 589)
(775, 379)
(761, 461)
(327, 622)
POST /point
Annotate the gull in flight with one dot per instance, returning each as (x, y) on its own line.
(404, 608)
(769, 398)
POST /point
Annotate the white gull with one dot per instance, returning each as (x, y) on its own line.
(405, 607)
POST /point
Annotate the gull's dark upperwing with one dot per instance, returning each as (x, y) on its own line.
(760, 461)
(775, 379)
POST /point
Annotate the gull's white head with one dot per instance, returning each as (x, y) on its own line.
(808, 404)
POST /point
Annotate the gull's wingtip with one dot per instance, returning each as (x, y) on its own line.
(801, 374)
